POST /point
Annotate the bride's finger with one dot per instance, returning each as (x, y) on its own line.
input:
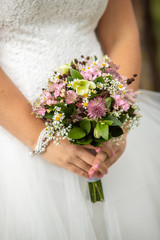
(99, 158)
(85, 155)
(78, 162)
(88, 146)
(73, 168)
(108, 149)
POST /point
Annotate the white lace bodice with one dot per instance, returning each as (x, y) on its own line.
(37, 36)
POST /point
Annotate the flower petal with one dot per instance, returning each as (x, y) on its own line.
(81, 90)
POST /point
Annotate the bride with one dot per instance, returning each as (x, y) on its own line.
(45, 197)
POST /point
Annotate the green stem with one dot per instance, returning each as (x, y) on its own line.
(99, 190)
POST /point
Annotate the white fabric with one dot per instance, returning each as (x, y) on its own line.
(39, 201)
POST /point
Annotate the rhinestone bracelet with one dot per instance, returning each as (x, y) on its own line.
(46, 135)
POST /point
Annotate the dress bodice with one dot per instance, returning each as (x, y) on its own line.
(36, 36)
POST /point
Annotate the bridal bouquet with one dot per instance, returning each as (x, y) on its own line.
(88, 102)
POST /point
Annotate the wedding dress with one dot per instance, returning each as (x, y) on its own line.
(39, 201)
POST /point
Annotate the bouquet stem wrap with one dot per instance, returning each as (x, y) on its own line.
(95, 190)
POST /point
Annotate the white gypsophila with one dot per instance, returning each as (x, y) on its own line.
(112, 85)
(61, 133)
(117, 113)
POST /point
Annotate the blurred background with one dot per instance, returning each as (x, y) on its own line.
(148, 17)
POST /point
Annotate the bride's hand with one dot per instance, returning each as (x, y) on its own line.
(71, 157)
(108, 154)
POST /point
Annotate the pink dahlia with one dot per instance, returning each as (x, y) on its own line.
(96, 108)
(71, 97)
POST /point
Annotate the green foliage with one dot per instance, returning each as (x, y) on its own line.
(95, 58)
(93, 95)
(76, 133)
(131, 111)
(84, 141)
(68, 110)
(115, 121)
(86, 125)
(70, 78)
(115, 131)
(75, 74)
(123, 118)
(103, 130)
(49, 115)
(99, 79)
(108, 101)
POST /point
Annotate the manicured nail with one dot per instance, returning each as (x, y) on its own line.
(96, 166)
(101, 175)
(98, 149)
(113, 154)
(91, 172)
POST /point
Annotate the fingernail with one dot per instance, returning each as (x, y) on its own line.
(113, 154)
(96, 166)
(91, 172)
(101, 175)
(98, 149)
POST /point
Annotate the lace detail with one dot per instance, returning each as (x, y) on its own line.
(37, 36)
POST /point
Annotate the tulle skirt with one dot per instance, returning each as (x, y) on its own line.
(39, 201)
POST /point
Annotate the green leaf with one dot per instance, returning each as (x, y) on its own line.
(116, 122)
(75, 74)
(95, 58)
(123, 118)
(108, 101)
(49, 115)
(99, 79)
(86, 125)
(100, 140)
(115, 131)
(68, 110)
(131, 111)
(76, 133)
(85, 141)
(93, 95)
(108, 122)
(103, 130)
(97, 142)
(72, 63)
(70, 78)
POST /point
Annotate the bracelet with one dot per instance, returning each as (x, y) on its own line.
(46, 135)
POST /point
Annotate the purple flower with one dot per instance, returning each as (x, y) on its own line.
(71, 97)
(96, 108)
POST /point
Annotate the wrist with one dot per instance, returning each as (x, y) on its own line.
(32, 142)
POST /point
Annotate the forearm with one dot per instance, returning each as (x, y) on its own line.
(125, 52)
(119, 37)
(15, 113)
